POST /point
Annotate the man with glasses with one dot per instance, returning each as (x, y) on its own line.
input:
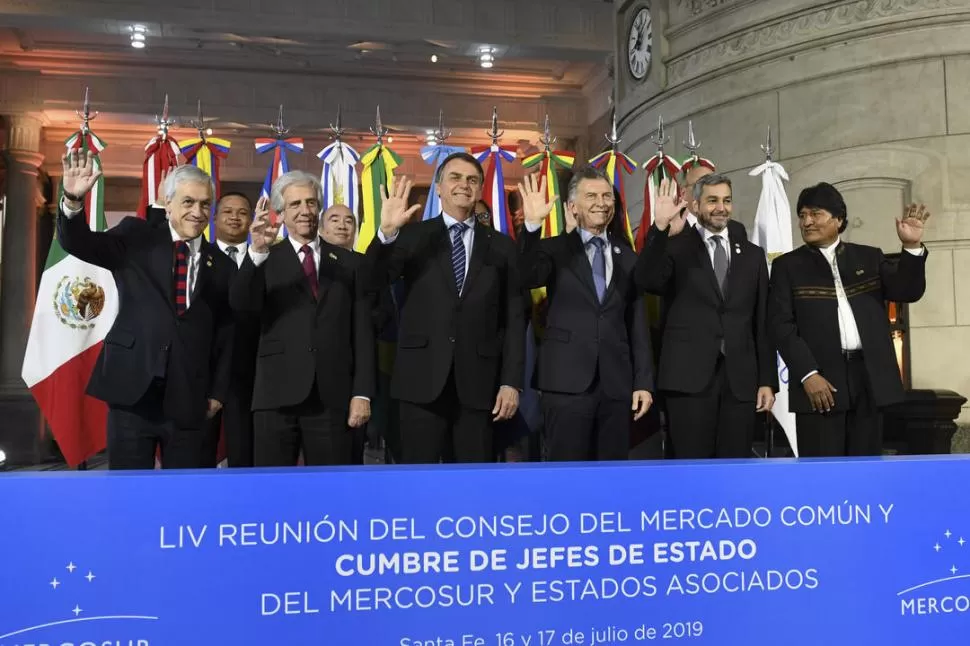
(827, 315)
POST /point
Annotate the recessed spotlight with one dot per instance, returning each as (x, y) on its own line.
(434, 58)
(486, 57)
(208, 132)
(390, 140)
(138, 36)
(138, 44)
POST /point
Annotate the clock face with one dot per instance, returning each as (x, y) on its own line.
(640, 46)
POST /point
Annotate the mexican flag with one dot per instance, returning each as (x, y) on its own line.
(76, 306)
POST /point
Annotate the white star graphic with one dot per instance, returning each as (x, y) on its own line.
(937, 547)
(77, 610)
(953, 569)
(90, 576)
(55, 583)
(947, 534)
(71, 567)
(961, 541)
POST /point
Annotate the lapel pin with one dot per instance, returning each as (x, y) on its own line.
(332, 255)
(208, 261)
(859, 272)
(737, 248)
(616, 250)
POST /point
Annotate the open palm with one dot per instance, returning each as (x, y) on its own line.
(536, 206)
(910, 227)
(81, 173)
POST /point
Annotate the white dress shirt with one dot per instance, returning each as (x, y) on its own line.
(195, 253)
(848, 330)
(240, 253)
(709, 244)
(691, 218)
(260, 258)
(586, 237)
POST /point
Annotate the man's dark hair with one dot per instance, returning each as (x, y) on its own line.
(586, 172)
(237, 194)
(824, 196)
(463, 157)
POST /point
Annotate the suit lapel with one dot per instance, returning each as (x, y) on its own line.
(292, 267)
(619, 271)
(705, 260)
(579, 263)
(325, 271)
(163, 265)
(442, 238)
(481, 242)
(204, 269)
(735, 264)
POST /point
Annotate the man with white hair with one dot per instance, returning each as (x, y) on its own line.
(164, 367)
(315, 361)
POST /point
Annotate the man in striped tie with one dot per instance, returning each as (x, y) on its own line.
(460, 350)
(165, 364)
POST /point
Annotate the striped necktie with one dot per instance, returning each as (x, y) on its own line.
(458, 254)
(181, 276)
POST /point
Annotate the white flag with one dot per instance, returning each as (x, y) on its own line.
(772, 232)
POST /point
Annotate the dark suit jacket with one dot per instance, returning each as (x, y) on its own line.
(804, 320)
(582, 337)
(245, 342)
(480, 334)
(698, 316)
(329, 341)
(148, 340)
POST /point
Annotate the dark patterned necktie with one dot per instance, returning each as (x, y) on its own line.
(458, 253)
(309, 269)
(181, 277)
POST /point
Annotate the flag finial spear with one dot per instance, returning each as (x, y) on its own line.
(660, 138)
(163, 122)
(547, 139)
(440, 135)
(378, 129)
(692, 144)
(613, 137)
(199, 123)
(767, 147)
(279, 128)
(337, 130)
(84, 114)
(494, 132)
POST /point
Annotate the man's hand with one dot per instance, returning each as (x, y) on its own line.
(642, 399)
(506, 403)
(359, 412)
(910, 227)
(263, 231)
(765, 399)
(214, 407)
(819, 392)
(394, 207)
(669, 207)
(81, 173)
(536, 206)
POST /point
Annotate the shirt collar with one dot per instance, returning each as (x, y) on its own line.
(707, 235)
(586, 236)
(829, 251)
(225, 245)
(194, 244)
(313, 244)
(450, 221)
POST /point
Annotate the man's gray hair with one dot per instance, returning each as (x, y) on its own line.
(587, 172)
(181, 175)
(293, 178)
(714, 179)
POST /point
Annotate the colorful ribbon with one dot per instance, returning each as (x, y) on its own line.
(207, 155)
(493, 192)
(614, 164)
(657, 168)
(549, 160)
(279, 166)
(434, 155)
(339, 177)
(161, 154)
(379, 163)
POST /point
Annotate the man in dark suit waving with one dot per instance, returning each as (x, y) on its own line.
(460, 349)
(315, 363)
(165, 364)
(717, 366)
(827, 314)
(594, 355)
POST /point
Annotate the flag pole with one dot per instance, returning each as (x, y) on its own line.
(769, 419)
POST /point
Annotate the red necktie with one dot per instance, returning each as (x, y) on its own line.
(181, 276)
(309, 269)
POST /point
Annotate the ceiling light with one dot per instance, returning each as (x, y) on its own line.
(434, 58)
(486, 57)
(208, 132)
(138, 44)
(390, 140)
(138, 36)
(431, 139)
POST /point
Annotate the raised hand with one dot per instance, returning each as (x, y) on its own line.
(263, 231)
(81, 173)
(536, 205)
(910, 227)
(669, 207)
(395, 212)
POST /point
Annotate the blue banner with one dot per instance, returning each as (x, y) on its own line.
(754, 553)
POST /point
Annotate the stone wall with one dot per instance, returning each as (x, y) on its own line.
(870, 96)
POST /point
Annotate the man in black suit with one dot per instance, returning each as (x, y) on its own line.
(315, 363)
(165, 364)
(827, 315)
(460, 349)
(233, 217)
(717, 366)
(594, 356)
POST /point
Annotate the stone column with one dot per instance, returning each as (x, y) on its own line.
(21, 434)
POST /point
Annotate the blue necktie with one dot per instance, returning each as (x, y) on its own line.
(458, 254)
(599, 267)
